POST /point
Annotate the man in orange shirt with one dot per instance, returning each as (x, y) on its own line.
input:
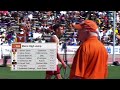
(90, 61)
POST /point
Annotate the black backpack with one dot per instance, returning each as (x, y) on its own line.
(116, 63)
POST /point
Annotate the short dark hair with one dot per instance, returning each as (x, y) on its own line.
(56, 26)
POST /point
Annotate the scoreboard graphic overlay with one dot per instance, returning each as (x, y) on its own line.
(34, 57)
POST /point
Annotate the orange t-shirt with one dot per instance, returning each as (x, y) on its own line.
(90, 61)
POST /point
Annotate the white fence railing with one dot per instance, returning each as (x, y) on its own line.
(72, 49)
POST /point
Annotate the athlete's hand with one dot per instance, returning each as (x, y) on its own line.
(64, 65)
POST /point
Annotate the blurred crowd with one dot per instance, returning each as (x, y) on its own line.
(37, 25)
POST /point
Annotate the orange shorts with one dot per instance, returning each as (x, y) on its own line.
(53, 72)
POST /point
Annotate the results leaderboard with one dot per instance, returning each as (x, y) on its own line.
(34, 57)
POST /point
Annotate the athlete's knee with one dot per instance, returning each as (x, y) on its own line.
(58, 76)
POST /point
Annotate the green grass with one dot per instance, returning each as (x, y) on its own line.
(114, 72)
(5, 73)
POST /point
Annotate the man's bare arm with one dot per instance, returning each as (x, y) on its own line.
(53, 39)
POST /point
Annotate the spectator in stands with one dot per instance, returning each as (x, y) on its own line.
(73, 41)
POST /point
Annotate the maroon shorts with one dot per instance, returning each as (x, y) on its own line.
(53, 72)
